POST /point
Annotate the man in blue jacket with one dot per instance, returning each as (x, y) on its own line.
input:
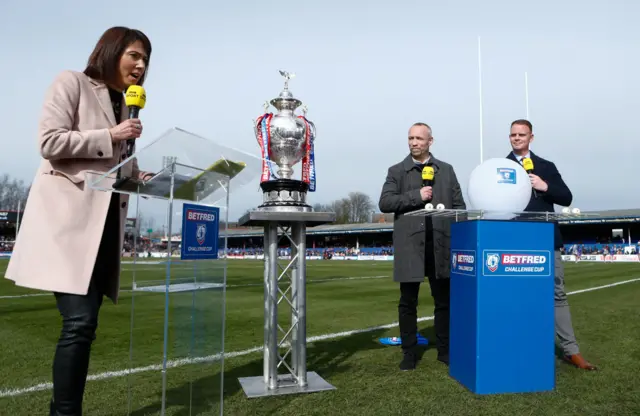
(549, 189)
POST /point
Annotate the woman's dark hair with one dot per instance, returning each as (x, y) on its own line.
(105, 58)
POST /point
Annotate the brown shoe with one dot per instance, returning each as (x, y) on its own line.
(579, 362)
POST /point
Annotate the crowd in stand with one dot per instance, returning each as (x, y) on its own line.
(601, 247)
(347, 251)
(340, 251)
(6, 245)
(7, 237)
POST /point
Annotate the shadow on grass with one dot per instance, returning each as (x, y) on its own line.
(327, 358)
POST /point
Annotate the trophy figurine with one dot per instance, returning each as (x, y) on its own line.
(286, 139)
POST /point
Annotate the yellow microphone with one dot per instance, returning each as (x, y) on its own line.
(527, 164)
(135, 98)
(427, 176)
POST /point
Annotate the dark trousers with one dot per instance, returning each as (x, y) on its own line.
(408, 305)
(79, 323)
(408, 314)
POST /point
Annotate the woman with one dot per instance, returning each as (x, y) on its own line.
(71, 236)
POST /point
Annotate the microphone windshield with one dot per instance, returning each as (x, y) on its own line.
(427, 173)
(135, 96)
(527, 163)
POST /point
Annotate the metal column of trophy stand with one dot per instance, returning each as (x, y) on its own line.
(285, 214)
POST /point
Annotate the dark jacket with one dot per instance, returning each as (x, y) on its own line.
(401, 194)
(558, 192)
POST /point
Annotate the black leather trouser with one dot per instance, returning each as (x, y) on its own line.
(79, 323)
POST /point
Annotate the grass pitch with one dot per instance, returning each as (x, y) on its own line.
(341, 296)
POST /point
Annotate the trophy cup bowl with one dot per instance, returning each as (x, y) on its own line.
(287, 145)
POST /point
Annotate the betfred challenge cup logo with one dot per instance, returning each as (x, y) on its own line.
(201, 233)
(507, 175)
(492, 261)
(517, 263)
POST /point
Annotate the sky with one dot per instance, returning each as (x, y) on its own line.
(366, 71)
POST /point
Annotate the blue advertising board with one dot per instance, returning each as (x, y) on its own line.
(502, 286)
(200, 231)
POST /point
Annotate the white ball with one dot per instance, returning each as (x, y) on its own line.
(429, 207)
(440, 207)
(566, 210)
(500, 185)
(576, 210)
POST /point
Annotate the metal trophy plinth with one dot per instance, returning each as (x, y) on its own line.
(285, 139)
(285, 195)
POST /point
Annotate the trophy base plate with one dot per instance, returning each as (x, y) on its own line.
(284, 195)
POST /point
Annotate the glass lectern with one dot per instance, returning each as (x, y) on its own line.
(177, 306)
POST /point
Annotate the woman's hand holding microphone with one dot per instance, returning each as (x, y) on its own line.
(128, 129)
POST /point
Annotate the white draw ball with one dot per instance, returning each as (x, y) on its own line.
(499, 185)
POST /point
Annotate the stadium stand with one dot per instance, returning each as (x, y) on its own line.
(8, 222)
(610, 236)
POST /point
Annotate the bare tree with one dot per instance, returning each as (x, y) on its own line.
(150, 223)
(144, 223)
(342, 210)
(140, 219)
(13, 193)
(360, 207)
(357, 207)
(323, 208)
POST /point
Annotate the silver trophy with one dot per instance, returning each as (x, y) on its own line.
(285, 140)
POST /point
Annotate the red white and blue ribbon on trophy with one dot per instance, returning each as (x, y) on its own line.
(263, 128)
(308, 161)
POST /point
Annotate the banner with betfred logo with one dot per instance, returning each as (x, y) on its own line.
(200, 232)
(516, 263)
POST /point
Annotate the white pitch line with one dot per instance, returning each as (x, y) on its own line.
(575, 292)
(31, 295)
(318, 280)
(177, 363)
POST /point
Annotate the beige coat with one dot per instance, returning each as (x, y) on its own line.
(63, 220)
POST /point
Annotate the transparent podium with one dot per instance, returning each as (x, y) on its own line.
(176, 278)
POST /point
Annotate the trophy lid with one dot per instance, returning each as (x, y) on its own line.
(285, 100)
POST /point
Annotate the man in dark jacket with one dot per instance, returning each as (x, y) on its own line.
(421, 244)
(549, 189)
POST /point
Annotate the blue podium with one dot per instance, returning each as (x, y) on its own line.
(502, 308)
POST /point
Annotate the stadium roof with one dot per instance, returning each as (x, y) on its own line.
(610, 216)
(322, 229)
(621, 216)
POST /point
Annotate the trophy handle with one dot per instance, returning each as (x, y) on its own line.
(255, 131)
